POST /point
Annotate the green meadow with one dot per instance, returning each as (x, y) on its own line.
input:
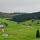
(23, 31)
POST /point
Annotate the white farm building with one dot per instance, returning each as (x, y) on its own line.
(1, 25)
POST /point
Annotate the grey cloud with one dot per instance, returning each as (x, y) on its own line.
(20, 5)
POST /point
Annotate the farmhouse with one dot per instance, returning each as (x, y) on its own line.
(2, 27)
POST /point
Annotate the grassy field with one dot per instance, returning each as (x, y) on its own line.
(22, 31)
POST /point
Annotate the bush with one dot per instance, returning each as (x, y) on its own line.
(37, 34)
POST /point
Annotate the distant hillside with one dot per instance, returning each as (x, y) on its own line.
(26, 16)
(29, 15)
(8, 15)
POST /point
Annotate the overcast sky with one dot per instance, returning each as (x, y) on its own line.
(19, 5)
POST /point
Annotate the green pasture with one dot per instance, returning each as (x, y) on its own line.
(22, 31)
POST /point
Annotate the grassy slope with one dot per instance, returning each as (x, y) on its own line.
(20, 31)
